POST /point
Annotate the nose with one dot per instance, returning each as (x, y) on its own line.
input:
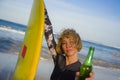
(68, 45)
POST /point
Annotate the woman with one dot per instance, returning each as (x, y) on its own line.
(65, 53)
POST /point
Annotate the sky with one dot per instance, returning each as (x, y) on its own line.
(94, 20)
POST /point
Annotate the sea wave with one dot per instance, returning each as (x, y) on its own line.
(11, 40)
(101, 67)
(8, 28)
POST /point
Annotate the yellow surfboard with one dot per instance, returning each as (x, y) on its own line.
(29, 55)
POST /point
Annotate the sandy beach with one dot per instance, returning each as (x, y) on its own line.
(8, 62)
(100, 72)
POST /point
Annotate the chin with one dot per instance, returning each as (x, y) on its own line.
(69, 54)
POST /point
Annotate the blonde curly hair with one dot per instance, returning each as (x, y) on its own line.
(73, 35)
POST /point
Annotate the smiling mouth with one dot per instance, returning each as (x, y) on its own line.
(69, 50)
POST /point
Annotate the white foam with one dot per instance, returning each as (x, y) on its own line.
(4, 28)
(100, 67)
(41, 58)
(8, 32)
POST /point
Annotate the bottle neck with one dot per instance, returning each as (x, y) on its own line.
(88, 60)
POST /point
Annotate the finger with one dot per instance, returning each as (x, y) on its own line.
(77, 73)
(92, 74)
(90, 78)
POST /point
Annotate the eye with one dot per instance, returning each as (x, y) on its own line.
(63, 43)
(72, 42)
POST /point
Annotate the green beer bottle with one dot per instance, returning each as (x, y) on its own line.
(86, 68)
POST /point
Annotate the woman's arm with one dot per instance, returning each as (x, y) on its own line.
(49, 35)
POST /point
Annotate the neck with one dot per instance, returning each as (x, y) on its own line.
(71, 59)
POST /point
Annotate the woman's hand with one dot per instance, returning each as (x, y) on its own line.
(89, 78)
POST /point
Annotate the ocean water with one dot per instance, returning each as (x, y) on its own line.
(12, 35)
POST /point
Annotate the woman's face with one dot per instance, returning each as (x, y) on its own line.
(69, 47)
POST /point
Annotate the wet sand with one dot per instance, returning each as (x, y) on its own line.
(46, 66)
(8, 62)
